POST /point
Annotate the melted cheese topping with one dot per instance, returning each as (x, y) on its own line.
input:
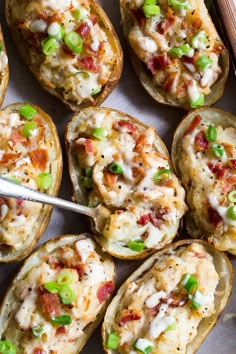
(63, 70)
(23, 159)
(32, 310)
(152, 39)
(158, 300)
(141, 208)
(208, 180)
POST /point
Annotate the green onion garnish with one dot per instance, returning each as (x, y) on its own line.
(28, 128)
(232, 196)
(218, 150)
(88, 171)
(52, 287)
(37, 331)
(99, 133)
(112, 341)
(199, 102)
(64, 278)
(231, 212)
(55, 31)
(27, 111)
(150, 8)
(162, 174)
(74, 42)
(49, 45)
(179, 4)
(44, 180)
(211, 133)
(67, 295)
(204, 61)
(143, 345)
(197, 300)
(13, 179)
(76, 14)
(190, 283)
(116, 168)
(171, 327)
(84, 73)
(7, 347)
(199, 40)
(136, 245)
(1, 47)
(86, 182)
(180, 51)
(95, 91)
(62, 320)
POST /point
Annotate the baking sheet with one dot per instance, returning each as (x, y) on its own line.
(129, 97)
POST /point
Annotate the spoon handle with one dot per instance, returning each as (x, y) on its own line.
(13, 190)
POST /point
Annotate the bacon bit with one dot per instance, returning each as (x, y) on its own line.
(9, 158)
(50, 304)
(164, 26)
(197, 23)
(129, 315)
(213, 217)
(110, 179)
(38, 350)
(56, 266)
(39, 158)
(68, 51)
(105, 290)
(158, 63)
(219, 170)
(16, 137)
(89, 146)
(83, 30)
(42, 15)
(60, 330)
(228, 183)
(199, 255)
(141, 142)
(80, 270)
(232, 163)
(176, 299)
(93, 19)
(39, 121)
(170, 81)
(229, 148)
(139, 16)
(143, 220)
(138, 174)
(187, 60)
(153, 311)
(201, 142)
(2, 201)
(55, 18)
(126, 127)
(156, 217)
(193, 125)
(89, 64)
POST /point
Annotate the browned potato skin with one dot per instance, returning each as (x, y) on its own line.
(222, 264)
(115, 44)
(159, 95)
(8, 255)
(4, 76)
(5, 308)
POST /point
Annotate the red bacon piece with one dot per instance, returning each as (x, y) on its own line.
(125, 126)
(170, 81)
(50, 304)
(83, 30)
(129, 315)
(219, 170)
(233, 163)
(187, 60)
(139, 16)
(229, 182)
(143, 220)
(158, 62)
(201, 142)
(60, 330)
(9, 158)
(193, 125)
(105, 290)
(39, 158)
(68, 51)
(38, 350)
(80, 270)
(16, 137)
(156, 217)
(213, 217)
(89, 64)
(166, 24)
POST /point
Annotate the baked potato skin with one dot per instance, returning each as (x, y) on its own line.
(11, 302)
(164, 96)
(4, 70)
(221, 264)
(150, 147)
(209, 221)
(115, 61)
(54, 153)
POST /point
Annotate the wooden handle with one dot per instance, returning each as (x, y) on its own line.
(227, 9)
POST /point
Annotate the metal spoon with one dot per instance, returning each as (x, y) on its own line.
(100, 214)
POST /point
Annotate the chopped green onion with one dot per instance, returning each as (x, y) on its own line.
(27, 111)
(7, 347)
(151, 10)
(204, 61)
(116, 168)
(84, 73)
(180, 51)
(44, 180)
(194, 305)
(67, 295)
(143, 345)
(37, 331)
(190, 283)
(55, 31)
(179, 4)
(171, 327)
(1, 47)
(199, 40)
(62, 320)
(218, 150)
(28, 128)
(197, 300)
(162, 174)
(99, 133)
(136, 245)
(231, 212)
(64, 278)
(211, 133)
(52, 287)
(76, 14)
(96, 91)
(86, 182)
(150, 2)
(13, 179)
(74, 42)
(49, 45)
(88, 172)
(199, 102)
(232, 196)
(112, 341)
